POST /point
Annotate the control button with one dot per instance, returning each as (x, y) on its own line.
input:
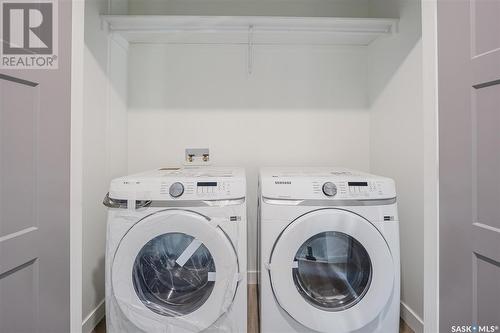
(329, 189)
(176, 190)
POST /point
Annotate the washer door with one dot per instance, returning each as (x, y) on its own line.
(331, 268)
(174, 270)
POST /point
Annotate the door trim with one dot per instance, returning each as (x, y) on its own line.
(76, 162)
(431, 166)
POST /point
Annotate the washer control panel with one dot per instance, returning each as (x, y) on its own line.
(197, 189)
(185, 184)
(212, 188)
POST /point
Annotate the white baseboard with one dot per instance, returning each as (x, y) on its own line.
(252, 277)
(94, 317)
(412, 319)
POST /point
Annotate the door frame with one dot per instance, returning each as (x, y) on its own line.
(431, 165)
(76, 174)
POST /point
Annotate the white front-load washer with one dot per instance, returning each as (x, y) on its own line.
(329, 251)
(176, 251)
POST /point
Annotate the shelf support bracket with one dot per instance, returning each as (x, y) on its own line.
(105, 25)
(250, 50)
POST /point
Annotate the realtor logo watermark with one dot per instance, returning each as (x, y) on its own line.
(29, 34)
(474, 328)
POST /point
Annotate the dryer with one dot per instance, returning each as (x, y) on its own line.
(176, 251)
(329, 251)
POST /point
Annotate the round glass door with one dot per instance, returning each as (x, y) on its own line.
(332, 266)
(172, 274)
(173, 270)
(333, 271)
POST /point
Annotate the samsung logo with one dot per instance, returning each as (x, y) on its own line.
(283, 182)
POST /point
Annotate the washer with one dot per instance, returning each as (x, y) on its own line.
(176, 251)
(329, 251)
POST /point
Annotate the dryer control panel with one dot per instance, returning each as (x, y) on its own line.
(351, 189)
(324, 183)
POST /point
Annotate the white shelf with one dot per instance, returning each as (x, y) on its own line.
(242, 29)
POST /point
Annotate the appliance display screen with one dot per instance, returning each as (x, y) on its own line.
(206, 184)
(357, 183)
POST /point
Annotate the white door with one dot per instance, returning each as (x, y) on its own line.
(332, 266)
(174, 271)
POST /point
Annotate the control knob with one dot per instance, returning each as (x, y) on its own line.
(329, 189)
(176, 190)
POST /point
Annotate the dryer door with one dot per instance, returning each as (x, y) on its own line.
(330, 269)
(174, 271)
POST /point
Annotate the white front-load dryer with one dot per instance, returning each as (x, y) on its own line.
(329, 251)
(176, 251)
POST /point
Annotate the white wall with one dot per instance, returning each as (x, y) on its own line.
(302, 105)
(397, 141)
(341, 8)
(104, 150)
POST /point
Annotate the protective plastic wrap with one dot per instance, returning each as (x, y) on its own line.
(176, 270)
(171, 281)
